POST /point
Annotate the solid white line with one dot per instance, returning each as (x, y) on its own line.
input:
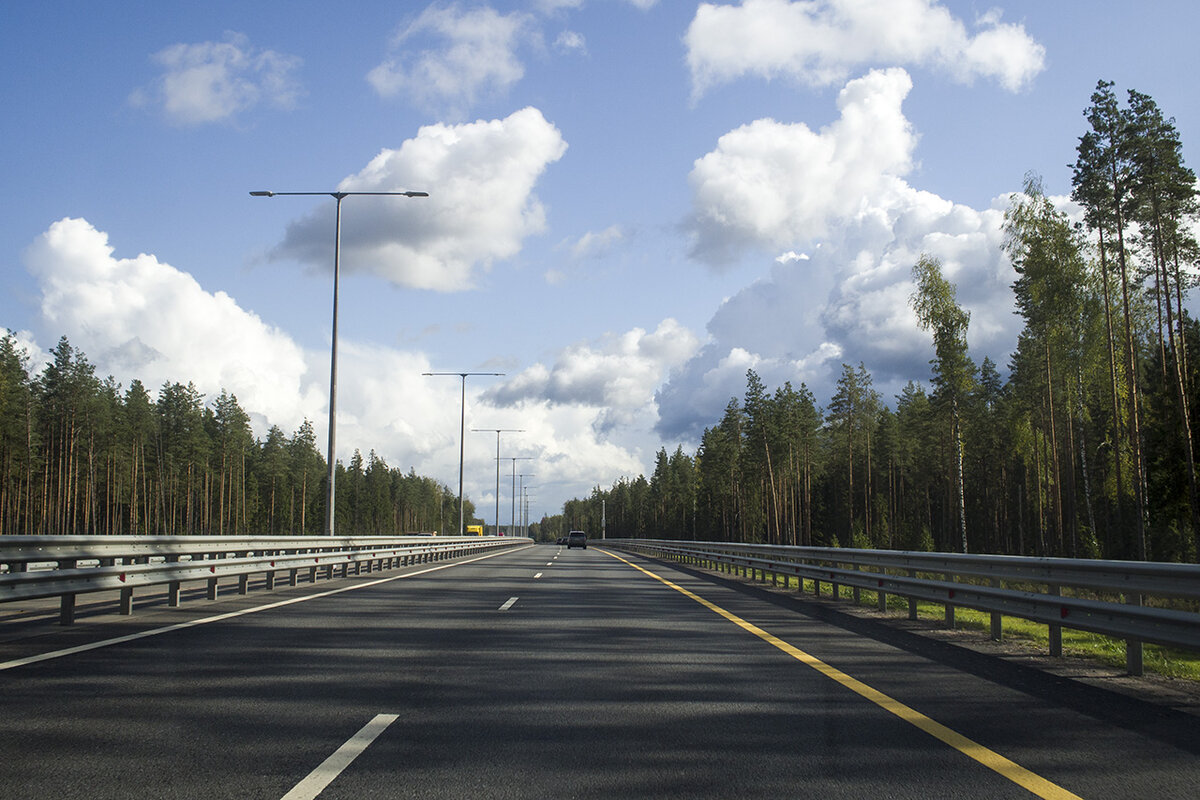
(508, 604)
(538, 575)
(333, 766)
(83, 648)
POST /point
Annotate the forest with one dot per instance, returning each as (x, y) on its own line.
(1084, 450)
(79, 455)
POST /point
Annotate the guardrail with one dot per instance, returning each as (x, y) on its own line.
(1108, 597)
(65, 566)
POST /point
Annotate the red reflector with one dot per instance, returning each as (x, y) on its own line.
(122, 577)
(1064, 612)
(952, 593)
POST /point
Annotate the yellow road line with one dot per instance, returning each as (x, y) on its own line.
(989, 758)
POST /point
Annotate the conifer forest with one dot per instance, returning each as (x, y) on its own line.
(1085, 449)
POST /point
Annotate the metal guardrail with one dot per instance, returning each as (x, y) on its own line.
(1115, 592)
(65, 566)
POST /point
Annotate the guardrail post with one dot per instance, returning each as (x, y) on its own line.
(126, 604)
(912, 601)
(997, 618)
(66, 611)
(173, 586)
(949, 605)
(1054, 632)
(881, 597)
(1133, 647)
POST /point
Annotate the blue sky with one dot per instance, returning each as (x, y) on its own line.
(631, 202)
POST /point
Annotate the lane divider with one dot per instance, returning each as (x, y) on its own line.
(1014, 772)
(537, 575)
(83, 648)
(508, 604)
(336, 764)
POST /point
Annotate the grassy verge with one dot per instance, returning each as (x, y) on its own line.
(1166, 661)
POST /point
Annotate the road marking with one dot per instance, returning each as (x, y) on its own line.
(333, 766)
(83, 648)
(549, 563)
(508, 604)
(538, 575)
(1024, 778)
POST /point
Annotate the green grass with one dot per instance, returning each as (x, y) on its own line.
(1167, 661)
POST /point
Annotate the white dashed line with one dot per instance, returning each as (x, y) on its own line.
(333, 766)
(538, 575)
(508, 604)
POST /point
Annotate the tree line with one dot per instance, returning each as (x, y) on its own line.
(81, 455)
(1086, 449)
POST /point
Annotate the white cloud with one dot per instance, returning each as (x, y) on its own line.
(594, 244)
(618, 373)
(819, 42)
(142, 318)
(770, 187)
(214, 81)
(586, 418)
(477, 54)
(480, 177)
(570, 42)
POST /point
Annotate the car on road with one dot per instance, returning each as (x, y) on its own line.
(577, 539)
(562, 540)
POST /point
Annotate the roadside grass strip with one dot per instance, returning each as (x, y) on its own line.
(83, 648)
(336, 764)
(1014, 772)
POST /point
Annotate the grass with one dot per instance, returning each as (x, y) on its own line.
(1166, 661)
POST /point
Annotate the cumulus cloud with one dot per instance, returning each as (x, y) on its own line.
(476, 53)
(819, 42)
(142, 318)
(615, 376)
(214, 81)
(570, 42)
(597, 243)
(770, 184)
(480, 177)
(863, 227)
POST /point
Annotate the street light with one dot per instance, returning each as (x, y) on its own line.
(498, 432)
(337, 251)
(462, 428)
(523, 476)
(512, 525)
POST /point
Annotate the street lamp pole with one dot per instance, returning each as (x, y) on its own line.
(523, 476)
(498, 432)
(462, 432)
(512, 524)
(337, 254)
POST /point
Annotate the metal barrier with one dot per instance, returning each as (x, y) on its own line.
(1109, 597)
(64, 566)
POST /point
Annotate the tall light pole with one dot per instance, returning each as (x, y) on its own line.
(337, 254)
(525, 507)
(462, 432)
(512, 525)
(523, 476)
(498, 432)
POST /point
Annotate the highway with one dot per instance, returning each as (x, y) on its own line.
(543, 672)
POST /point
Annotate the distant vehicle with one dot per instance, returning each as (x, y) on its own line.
(474, 530)
(562, 540)
(577, 539)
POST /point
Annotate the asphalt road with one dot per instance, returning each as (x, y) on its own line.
(553, 673)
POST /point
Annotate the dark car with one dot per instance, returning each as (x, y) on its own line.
(577, 539)
(562, 540)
